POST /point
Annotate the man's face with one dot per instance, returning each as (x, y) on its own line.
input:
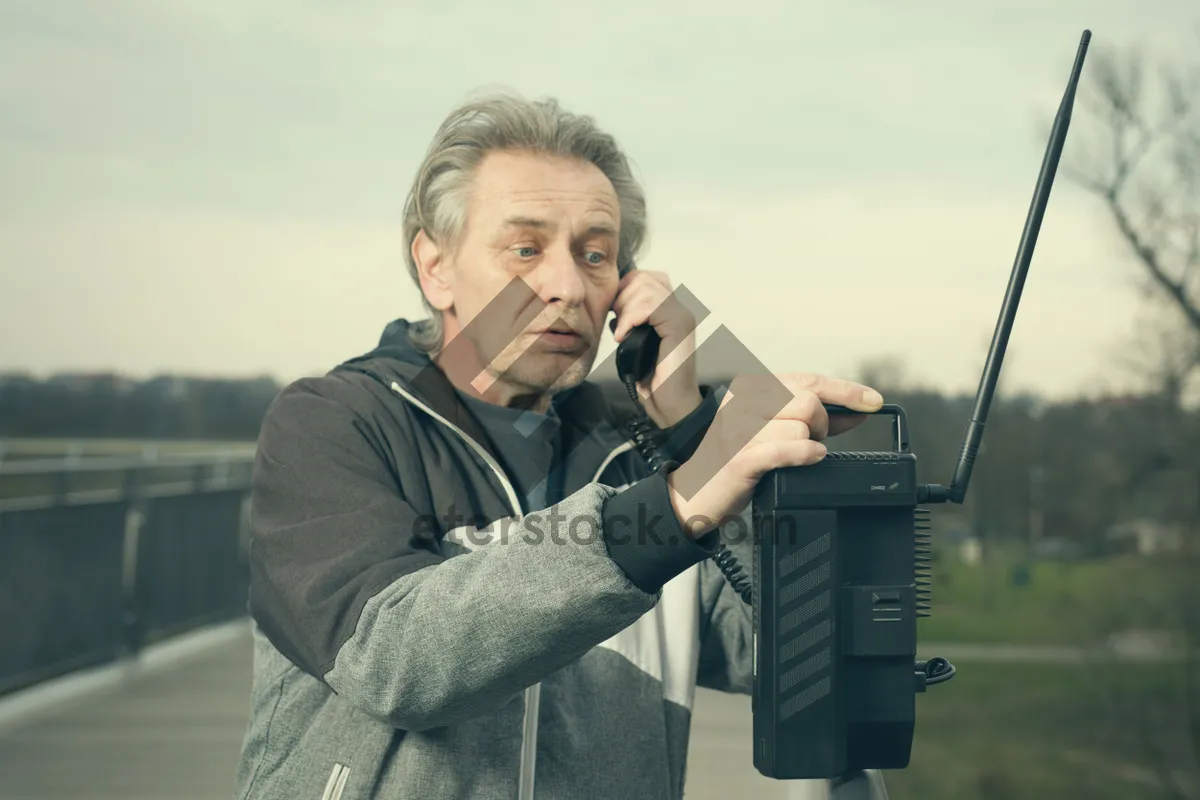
(555, 224)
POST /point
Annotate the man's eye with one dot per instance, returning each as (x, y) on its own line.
(526, 252)
(595, 258)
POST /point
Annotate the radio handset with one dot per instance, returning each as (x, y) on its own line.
(637, 357)
(638, 354)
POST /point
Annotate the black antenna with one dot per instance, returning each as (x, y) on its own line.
(1008, 311)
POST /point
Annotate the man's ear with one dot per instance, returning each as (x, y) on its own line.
(432, 270)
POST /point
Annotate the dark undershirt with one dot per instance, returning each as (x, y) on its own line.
(529, 446)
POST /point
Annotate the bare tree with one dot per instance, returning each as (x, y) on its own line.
(1161, 354)
(1142, 145)
(1141, 119)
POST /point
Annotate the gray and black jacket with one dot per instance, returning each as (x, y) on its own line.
(418, 636)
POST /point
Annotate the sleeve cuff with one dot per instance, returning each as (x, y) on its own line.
(681, 439)
(645, 538)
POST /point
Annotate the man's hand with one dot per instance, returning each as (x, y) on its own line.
(642, 297)
(719, 479)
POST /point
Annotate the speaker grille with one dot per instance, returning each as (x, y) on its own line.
(805, 627)
(804, 670)
(805, 641)
(804, 699)
(817, 547)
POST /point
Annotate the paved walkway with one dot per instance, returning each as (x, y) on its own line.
(171, 729)
(168, 730)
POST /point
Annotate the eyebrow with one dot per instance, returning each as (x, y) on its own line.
(541, 224)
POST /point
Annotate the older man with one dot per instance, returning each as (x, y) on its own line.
(465, 582)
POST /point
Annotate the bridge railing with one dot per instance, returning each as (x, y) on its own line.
(101, 555)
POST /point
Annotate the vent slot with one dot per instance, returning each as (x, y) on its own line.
(923, 540)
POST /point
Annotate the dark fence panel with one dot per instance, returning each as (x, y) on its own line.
(60, 590)
(100, 556)
(191, 569)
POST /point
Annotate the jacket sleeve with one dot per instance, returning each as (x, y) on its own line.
(680, 441)
(727, 636)
(351, 584)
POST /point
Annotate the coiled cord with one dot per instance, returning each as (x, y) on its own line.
(936, 670)
(645, 435)
(734, 573)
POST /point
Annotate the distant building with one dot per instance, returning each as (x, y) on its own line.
(1145, 537)
(1058, 548)
(970, 551)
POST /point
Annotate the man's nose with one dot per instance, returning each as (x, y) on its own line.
(559, 278)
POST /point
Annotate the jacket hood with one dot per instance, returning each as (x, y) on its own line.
(396, 351)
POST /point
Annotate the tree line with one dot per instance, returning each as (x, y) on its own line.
(113, 407)
(1081, 465)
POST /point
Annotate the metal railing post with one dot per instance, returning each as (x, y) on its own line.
(135, 519)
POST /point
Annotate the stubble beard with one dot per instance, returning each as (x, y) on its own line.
(537, 370)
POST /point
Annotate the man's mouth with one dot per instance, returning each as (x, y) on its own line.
(560, 335)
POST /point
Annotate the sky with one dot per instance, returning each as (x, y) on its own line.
(216, 188)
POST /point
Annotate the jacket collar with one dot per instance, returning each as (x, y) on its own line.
(591, 429)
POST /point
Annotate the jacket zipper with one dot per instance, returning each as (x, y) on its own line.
(533, 695)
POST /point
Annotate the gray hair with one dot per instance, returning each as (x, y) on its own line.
(505, 121)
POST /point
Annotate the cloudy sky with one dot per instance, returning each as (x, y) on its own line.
(215, 188)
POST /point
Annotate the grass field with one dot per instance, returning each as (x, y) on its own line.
(1063, 603)
(1049, 731)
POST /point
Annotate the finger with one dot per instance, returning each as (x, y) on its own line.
(807, 406)
(745, 438)
(627, 321)
(766, 456)
(766, 397)
(644, 274)
(620, 307)
(627, 288)
(660, 278)
(739, 432)
(635, 311)
(638, 277)
(852, 395)
(778, 430)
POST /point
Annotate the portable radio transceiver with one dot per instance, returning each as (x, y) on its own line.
(841, 574)
(841, 565)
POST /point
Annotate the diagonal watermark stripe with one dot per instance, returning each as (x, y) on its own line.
(684, 301)
(510, 313)
(497, 325)
(769, 397)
